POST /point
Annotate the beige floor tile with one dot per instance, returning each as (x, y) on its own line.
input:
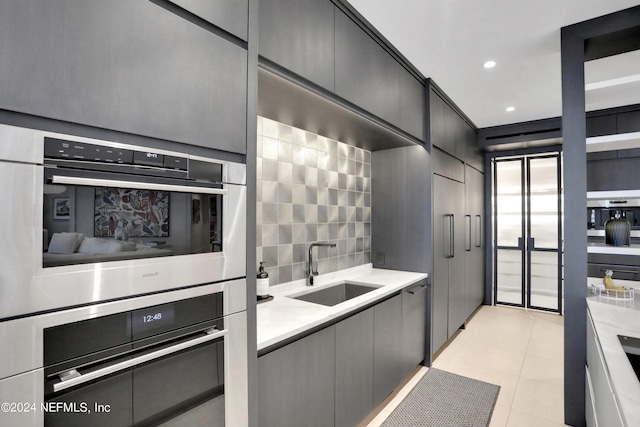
(516, 343)
(500, 416)
(547, 348)
(447, 355)
(550, 317)
(541, 369)
(539, 399)
(487, 356)
(508, 383)
(523, 419)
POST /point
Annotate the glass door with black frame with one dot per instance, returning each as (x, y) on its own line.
(528, 231)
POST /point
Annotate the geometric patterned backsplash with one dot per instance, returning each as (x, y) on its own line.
(310, 188)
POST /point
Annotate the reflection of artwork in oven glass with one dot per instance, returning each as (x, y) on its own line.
(121, 212)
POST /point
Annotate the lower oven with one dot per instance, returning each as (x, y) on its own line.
(171, 359)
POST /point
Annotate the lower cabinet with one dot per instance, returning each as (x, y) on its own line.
(354, 368)
(415, 301)
(337, 375)
(388, 367)
(601, 408)
(296, 383)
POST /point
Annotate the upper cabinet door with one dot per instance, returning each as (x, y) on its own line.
(412, 105)
(436, 120)
(365, 73)
(129, 66)
(299, 36)
(175, 80)
(230, 15)
(474, 155)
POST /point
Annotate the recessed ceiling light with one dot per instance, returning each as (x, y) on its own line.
(510, 109)
(489, 64)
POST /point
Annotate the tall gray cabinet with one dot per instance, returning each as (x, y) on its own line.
(457, 276)
(448, 278)
(474, 238)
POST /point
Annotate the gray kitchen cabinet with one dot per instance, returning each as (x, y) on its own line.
(31, 83)
(387, 342)
(365, 74)
(608, 174)
(231, 16)
(601, 125)
(474, 155)
(415, 301)
(474, 239)
(628, 122)
(455, 130)
(128, 66)
(299, 36)
(448, 280)
(449, 131)
(354, 369)
(296, 383)
(436, 118)
(412, 105)
(335, 377)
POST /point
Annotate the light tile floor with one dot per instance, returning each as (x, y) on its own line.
(520, 350)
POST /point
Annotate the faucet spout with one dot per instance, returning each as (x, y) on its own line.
(311, 273)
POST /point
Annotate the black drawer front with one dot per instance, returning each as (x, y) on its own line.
(93, 336)
(620, 272)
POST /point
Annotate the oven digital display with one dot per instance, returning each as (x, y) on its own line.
(160, 317)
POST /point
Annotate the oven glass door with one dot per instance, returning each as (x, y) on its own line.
(178, 384)
(107, 218)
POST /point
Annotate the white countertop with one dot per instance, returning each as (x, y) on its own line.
(602, 248)
(285, 317)
(613, 318)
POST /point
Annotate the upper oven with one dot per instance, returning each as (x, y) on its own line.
(88, 221)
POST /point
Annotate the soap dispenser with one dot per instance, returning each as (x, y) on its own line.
(262, 283)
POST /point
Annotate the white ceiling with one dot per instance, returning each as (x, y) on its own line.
(450, 40)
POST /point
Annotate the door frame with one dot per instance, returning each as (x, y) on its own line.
(490, 258)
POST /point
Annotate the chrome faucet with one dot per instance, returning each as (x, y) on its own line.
(310, 272)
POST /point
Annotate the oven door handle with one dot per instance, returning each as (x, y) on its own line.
(75, 180)
(72, 378)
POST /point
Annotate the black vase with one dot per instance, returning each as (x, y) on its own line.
(617, 232)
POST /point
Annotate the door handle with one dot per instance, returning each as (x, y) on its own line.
(451, 235)
(531, 243)
(75, 180)
(478, 231)
(416, 289)
(467, 224)
(520, 243)
(448, 239)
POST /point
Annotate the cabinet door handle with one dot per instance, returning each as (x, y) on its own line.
(416, 289)
(478, 231)
(448, 235)
(452, 234)
(620, 271)
(467, 224)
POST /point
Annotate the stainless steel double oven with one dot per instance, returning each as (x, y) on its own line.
(123, 287)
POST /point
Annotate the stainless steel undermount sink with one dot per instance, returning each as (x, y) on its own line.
(335, 294)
